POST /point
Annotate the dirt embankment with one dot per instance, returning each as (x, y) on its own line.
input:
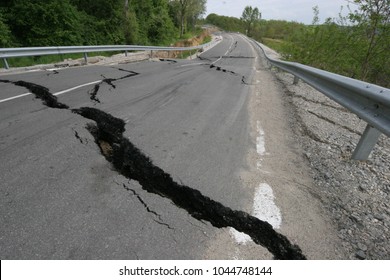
(192, 42)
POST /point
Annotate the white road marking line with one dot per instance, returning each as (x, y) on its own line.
(260, 144)
(56, 94)
(216, 60)
(77, 87)
(260, 140)
(265, 209)
(15, 97)
(231, 45)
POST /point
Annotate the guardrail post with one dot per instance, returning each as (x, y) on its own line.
(151, 54)
(6, 66)
(366, 143)
(86, 58)
(125, 53)
(296, 80)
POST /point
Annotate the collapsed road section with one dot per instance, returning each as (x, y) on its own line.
(132, 163)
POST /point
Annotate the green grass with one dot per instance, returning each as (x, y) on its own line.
(277, 45)
(207, 39)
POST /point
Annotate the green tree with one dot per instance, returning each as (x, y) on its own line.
(5, 33)
(250, 16)
(130, 24)
(155, 24)
(226, 23)
(48, 23)
(196, 9)
(356, 45)
(372, 23)
(188, 10)
(105, 20)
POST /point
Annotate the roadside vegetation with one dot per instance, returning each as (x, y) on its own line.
(34, 23)
(356, 45)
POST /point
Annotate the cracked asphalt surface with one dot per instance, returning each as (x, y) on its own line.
(64, 197)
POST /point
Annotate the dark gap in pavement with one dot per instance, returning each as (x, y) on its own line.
(52, 72)
(129, 161)
(109, 81)
(93, 93)
(76, 134)
(244, 82)
(234, 47)
(169, 60)
(219, 68)
(40, 92)
(204, 58)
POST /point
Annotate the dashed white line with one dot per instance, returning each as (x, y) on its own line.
(265, 209)
(264, 206)
(260, 144)
(260, 140)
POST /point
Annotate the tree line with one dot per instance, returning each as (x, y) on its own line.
(29, 23)
(356, 45)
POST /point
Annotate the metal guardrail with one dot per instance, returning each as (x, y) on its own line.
(368, 101)
(38, 51)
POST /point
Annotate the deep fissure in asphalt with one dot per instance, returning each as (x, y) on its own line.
(169, 60)
(109, 81)
(129, 161)
(219, 68)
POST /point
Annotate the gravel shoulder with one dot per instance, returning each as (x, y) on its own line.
(354, 194)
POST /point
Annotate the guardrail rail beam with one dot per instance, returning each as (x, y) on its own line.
(369, 102)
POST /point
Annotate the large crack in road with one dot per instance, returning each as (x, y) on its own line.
(130, 162)
(109, 81)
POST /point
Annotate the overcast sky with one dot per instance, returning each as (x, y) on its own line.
(291, 10)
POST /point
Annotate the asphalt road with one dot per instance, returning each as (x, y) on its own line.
(62, 198)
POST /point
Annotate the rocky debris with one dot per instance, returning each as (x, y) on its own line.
(354, 193)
